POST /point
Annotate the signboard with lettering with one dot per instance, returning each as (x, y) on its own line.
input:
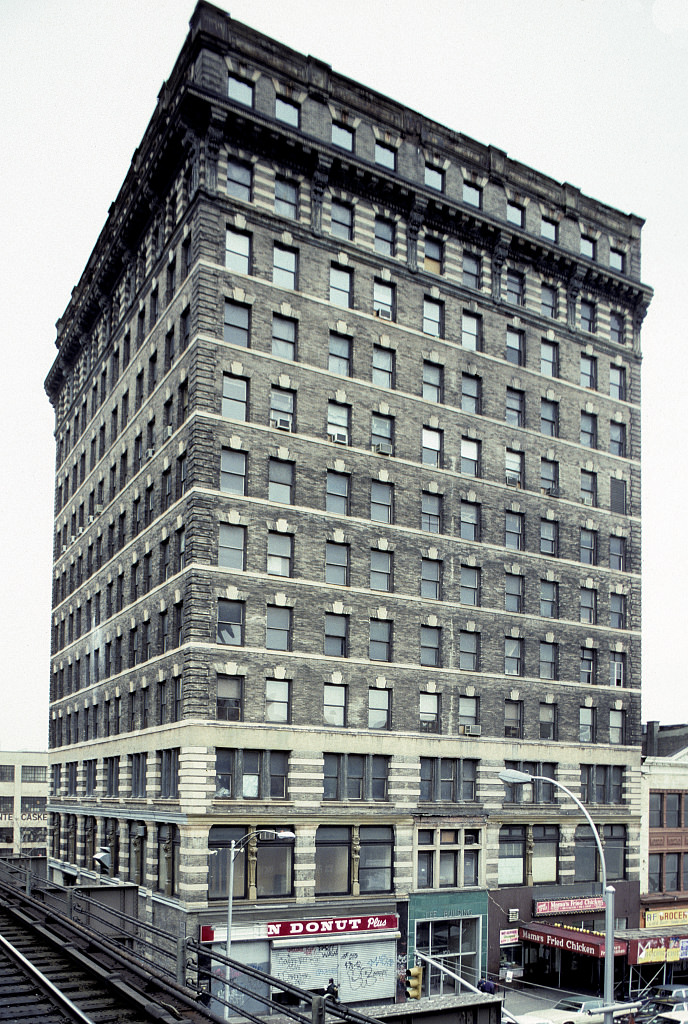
(508, 936)
(331, 925)
(668, 916)
(569, 906)
(656, 950)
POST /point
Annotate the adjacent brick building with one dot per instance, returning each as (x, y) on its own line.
(347, 518)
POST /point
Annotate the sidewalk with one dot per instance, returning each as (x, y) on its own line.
(521, 1000)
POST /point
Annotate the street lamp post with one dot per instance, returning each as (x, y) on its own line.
(515, 777)
(235, 848)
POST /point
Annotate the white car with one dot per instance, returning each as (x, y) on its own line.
(572, 1010)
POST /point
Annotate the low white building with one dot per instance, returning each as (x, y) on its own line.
(23, 800)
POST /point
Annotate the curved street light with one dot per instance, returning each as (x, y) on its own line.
(235, 848)
(514, 777)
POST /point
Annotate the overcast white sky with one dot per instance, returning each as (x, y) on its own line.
(593, 92)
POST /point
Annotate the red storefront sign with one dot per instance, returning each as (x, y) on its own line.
(571, 940)
(572, 906)
(657, 949)
(330, 925)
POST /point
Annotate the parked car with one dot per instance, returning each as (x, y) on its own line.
(573, 1010)
(656, 1008)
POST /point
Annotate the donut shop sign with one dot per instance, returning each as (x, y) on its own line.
(331, 925)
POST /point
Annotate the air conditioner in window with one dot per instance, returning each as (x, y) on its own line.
(551, 490)
(512, 914)
(91, 519)
(513, 480)
(281, 422)
(385, 448)
(473, 730)
(170, 430)
(587, 499)
(72, 539)
(384, 314)
(81, 530)
(99, 509)
(64, 548)
(150, 452)
(339, 437)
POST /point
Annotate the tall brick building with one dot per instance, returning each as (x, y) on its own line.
(347, 519)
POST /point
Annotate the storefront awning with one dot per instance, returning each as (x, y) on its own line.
(572, 940)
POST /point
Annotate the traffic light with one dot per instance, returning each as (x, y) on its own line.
(414, 982)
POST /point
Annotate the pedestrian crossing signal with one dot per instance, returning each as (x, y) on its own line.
(414, 982)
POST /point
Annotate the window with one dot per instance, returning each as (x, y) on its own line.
(588, 247)
(429, 711)
(513, 530)
(341, 282)
(336, 635)
(471, 271)
(515, 407)
(549, 477)
(548, 721)
(588, 487)
(588, 605)
(280, 481)
(238, 180)
(433, 317)
(355, 777)
(432, 259)
(431, 449)
(337, 564)
(138, 775)
(379, 708)
(430, 646)
(279, 554)
(286, 199)
(277, 708)
(588, 546)
(334, 704)
(283, 337)
(282, 409)
(617, 495)
(549, 300)
(233, 472)
(383, 367)
(468, 716)
(548, 660)
(549, 599)
(337, 493)
(470, 457)
(238, 252)
(617, 611)
(469, 526)
(617, 439)
(380, 643)
(513, 657)
(549, 418)
(384, 236)
(381, 499)
(587, 721)
(236, 324)
(381, 433)
(287, 112)
(250, 775)
(278, 629)
(232, 547)
(656, 810)
(342, 220)
(601, 784)
(513, 713)
(430, 578)
(234, 397)
(338, 417)
(515, 288)
(549, 229)
(515, 214)
(112, 776)
(469, 651)
(229, 698)
(385, 155)
(540, 791)
(447, 779)
(549, 359)
(617, 553)
(431, 512)
(588, 372)
(513, 593)
(515, 347)
(469, 585)
(284, 267)
(332, 859)
(588, 665)
(240, 91)
(616, 328)
(230, 622)
(383, 301)
(432, 381)
(472, 195)
(617, 383)
(617, 726)
(470, 393)
(434, 177)
(471, 332)
(380, 570)
(342, 136)
(588, 430)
